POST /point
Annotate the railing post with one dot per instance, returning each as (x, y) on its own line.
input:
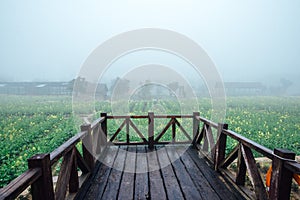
(150, 130)
(103, 134)
(241, 168)
(127, 130)
(195, 127)
(173, 131)
(74, 182)
(43, 187)
(87, 146)
(281, 179)
(220, 148)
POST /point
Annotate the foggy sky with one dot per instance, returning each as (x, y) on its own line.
(247, 40)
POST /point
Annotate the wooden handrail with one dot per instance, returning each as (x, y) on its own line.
(97, 122)
(284, 165)
(18, 185)
(293, 167)
(66, 147)
(283, 162)
(251, 144)
(208, 122)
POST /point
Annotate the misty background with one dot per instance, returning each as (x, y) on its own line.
(249, 41)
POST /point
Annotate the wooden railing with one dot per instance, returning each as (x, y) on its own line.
(150, 138)
(211, 141)
(39, 175)
(284, 165)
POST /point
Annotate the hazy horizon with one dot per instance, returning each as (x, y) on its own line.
(248, 41)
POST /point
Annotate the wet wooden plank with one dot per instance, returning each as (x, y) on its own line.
(173, 189)
(126, 190)
(188, 187)
(141, 178)
(198, 178)
(99, 181)
(157, 190)
(224, 190)
(189, 177)
(114, 180)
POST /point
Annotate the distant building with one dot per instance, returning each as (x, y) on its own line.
(242, 88)
(35, 88)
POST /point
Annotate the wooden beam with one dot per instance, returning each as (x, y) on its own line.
(241, 169)
(195, 126)
(137, 130)
(43, 187)
(164, 130)
(183, 130)
(230, 158)
(281, 179)
(87, 146)
(254, 175)
(220, 148)
(151, 130)
(64, 175)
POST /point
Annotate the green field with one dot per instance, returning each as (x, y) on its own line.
(39, 124)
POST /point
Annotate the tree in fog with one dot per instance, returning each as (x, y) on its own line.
(120, 87)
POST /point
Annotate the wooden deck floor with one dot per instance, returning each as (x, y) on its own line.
(187, 178)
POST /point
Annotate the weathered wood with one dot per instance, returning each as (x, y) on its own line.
(74, 181)
(241, 169)
(100, 179)
(220, 148)
(64, 175)
(249, 143)
(173, 131)
(205, 139)
(87, 146)
(126, 190)
(195, 126)
(103, 130)
(173, 189)
(210, 139)
(129, 144)
(173, 181)
(164, 130)
(208, 122)
(281, 179)
(141, 179)
(183, 130)
(155, 180)
(173, 116)
(97, 121)
(201, 183)
(127, 130)
(151, 130)
(187, 185)
(223, 189)
(113, 183)
(137, 131)
(18, 185)
(293, 166)
(81, 163)
(43, 187)
(118, 131)
(66, 147)
(230, 158)
(255, 178)
(130, 116)
(200, 135)
(95, 139)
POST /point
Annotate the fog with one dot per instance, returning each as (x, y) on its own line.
(249, 41)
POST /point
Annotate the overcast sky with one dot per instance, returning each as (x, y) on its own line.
(248, 40)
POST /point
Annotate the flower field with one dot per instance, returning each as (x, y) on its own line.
(39, 124)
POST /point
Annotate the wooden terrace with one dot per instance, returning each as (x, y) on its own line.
(95, 164)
